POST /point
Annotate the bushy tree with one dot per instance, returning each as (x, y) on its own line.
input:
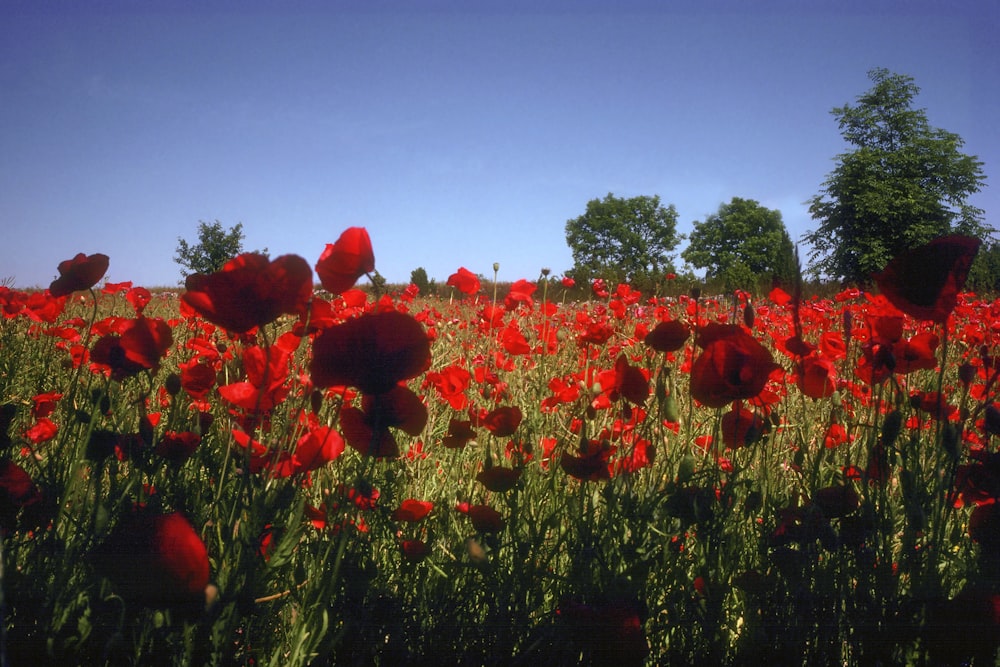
(418, 277)
(214, 248)
(985, 274)
(741, 244)
(623, 239)
(902, 184)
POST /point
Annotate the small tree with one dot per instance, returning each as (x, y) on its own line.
(742, 243)
(215, 247)
(623, 239)
(418, 277)
(902, 184)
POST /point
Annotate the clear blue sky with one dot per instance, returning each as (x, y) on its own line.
(459, 133)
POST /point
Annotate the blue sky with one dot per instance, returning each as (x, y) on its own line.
(458, 133)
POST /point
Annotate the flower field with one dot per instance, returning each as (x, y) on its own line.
(254, 472)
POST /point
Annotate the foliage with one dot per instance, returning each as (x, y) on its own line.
(742, 243)
(985, 274)
(623, 239)
(214, 248)
(902, 183)
(418, 277)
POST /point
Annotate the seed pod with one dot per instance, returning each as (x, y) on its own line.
(748, 315)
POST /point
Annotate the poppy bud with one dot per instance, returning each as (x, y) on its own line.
(966, 373)
(748, 315)
(848, 322)
(891, 427)
(173, 384)
(991, 419)
(316, 401)
(949, 439)
(496, 266)
(695, 293)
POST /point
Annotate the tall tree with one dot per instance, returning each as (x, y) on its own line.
(742, 243)
(623, 239)
(214, 248)
(902, 184)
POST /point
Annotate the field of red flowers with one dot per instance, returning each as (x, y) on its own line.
(255, 472)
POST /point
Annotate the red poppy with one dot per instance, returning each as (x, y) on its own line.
(567, 282)
(373, 352)
(464, 281)
(451, 382)
(591, 465)
(503, 421)
(485, 519)
(741, 427)
(317, 447)
(264, 388)
(197, 378)
(499, 479)
(819, 377)
(414, 550)
(520, 293)
(343, 262)
(412, 511)
(156, 560)
(178, 447)
(609, 631)
(41, 431)
(459, 433)
(667, 336)
(836, 501)
(80, 273)
(835, 436)
(916, 353)
(17, 491)
(733, 365)
(250, 291)
(139, 297)
(367, 429)
(984, 527)
(145, 341)
(45, 404)
(924, 282)
(626, 381)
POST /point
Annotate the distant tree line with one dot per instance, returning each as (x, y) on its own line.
(901, 184)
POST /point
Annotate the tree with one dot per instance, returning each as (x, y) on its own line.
(215, 247)
(742, 243)
(903, 184)
(623, 239)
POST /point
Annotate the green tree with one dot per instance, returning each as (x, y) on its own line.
(984, 277)
(418, 277)
(623, 239)
(214, 248)
(902, 184)
(742, 243)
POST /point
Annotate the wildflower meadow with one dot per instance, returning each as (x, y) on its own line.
(257, 471)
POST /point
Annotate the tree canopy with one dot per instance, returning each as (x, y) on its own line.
(214, 248)
(623, 239)
(742, 243)
(902, 184)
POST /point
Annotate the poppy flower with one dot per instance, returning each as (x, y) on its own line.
(818, 377)
(520, 293)
(367, 429)
(197, 378)
(733, 365)
(459, 433)
(343, 262)
(667, 336)
(17, 491)
(626, 381)
(373, 352)
(984, 527)
(503, 421)
(414, 550)
(145, 341)
(178, 446)
(836, 501)
(591, 465)
(484, 519)
(609, 631)
(741, 427)
(317, 447)
(916, 353)
(499, 479)
(412, 511)
(924, 282)
(464, 281)
(154, 559)
(80, 273)
(250, 291)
